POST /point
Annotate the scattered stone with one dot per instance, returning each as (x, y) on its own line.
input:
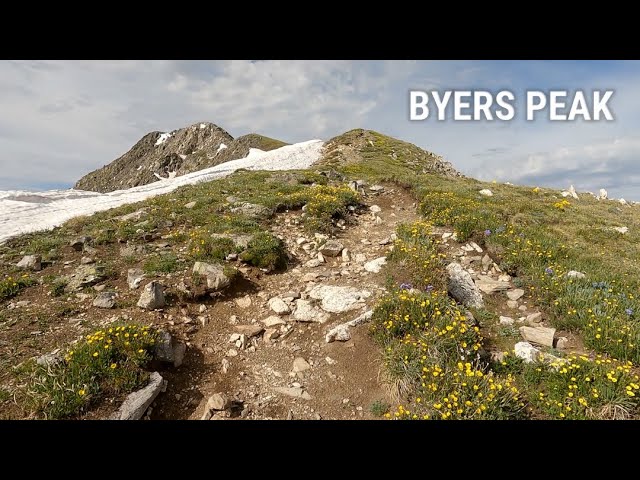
(534, 318)
(215, 274)
(562, 343)
(504, 278)
(575, 274)
(332, 248)
(491, 286)
(602, 194)
(375, 209)
(31, 262)
(376, 188)
(374, 266)
(290, 296)
(306, 312)
(336, 299)
(273, 321)
(361, 258)
(385, 241)
(527, 352)
(540, 335)
(378, 221)
(49, 359)
(137, 403)
(271, 334)
(224, 365)
(218, 401)
(99, 288)
(310, 277)
(85, 276)
(296, 392)
(86, 261)
(243, 302)
(313, 263)
(476, 247)
(515, 294)
(346, 257)
(105, 300)
(79, 243)
(202, 308)
(232, 352)
(321, 257)
(621, 230)
(152, 296)
(522, 308)
(462, 288)
(190, 205)
(330, 361)
(169, 350)
(253, 211)
(249, 330)
(506, 320)
(301, 241)
(300, 365)
(341, 332)
(512, 304)
(279, 306)
(486, 192)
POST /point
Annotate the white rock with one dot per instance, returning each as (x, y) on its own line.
(296, 392)
(526, 352)
(602, 195)
(506, 320)
(515, 294)
(462, 288)
(273, 321)
(279, 306)
(243, 302)
(374, 266)
(306, 312)
(30, 262)
(375, 209)
(575, 274)
(300, 365)
(341, 332)
(361, 258)
(622, 230)
(137, 403)
(337, 299)
(534, 318)
(486, 192)
(152, 297)
(214, 273)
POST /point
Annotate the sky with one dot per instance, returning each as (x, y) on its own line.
(62, 119)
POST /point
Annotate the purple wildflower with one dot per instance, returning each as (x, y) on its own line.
(548, 271)
(405, 286)
(487, 232)
(629, 311)
(429, 288)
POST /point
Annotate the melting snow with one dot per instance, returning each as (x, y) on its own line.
(24, 212)
(221, 147)
(162, 138)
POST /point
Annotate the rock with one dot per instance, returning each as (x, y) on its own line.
(152, 296)
(374, 266)
(134, 278)
(378, 221)
(249, 330)
(375, 209)
(273, 321)
(330, 361)
(622, 201)
(232, 352)
(490, 286)
(190, 205)
(86, 261)
(476, 247)
(527, 352)
(300, 365)
(253, 211)
(540, 335)
(332, 248)
(361, 258)
(512, 304)
(321, 257)
(602, 194)
(486, 192)
(313, 263)
(572, 192)
(215, 275)
(31, 262)
(79, 243)
(376, 188)
(279, 306)
(515, 294)
(621, 230)
(346, 256)
(504, 278)
(85, 276)
(137, 403)
(306, 312)
(462, 288)
(218, 401)
(49, 359)
(243, 302)
(99, 288)
(224, 365)
(506, 320)
(486, 261)
(310, 277)
(336, 299)
(169, 350)
(271, 334)
(575, 274)
(341, 332)
(105, 300)
(534, 318)
(522, 308)
(296, 392)
(301, 241)
(562, 343)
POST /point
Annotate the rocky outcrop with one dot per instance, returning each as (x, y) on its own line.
(163, 155)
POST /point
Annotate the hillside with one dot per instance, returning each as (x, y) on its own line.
(162, 155)
(378, 282)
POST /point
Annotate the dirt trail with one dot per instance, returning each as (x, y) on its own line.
(341, 379)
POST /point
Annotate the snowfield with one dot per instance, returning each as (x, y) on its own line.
(26, 212)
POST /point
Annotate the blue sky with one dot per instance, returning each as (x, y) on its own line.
(62, 119)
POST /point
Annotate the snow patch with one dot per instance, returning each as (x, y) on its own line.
(163, 138)
(221, 147)
(24, 212)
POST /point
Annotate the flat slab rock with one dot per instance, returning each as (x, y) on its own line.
(138, 402)
(336, 299)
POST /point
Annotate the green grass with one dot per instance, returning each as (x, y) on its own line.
(379, 408)
(10, 286)
(164, 263)
(108, 362)
(265, 251)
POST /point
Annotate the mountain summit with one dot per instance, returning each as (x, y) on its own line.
(161, 155)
